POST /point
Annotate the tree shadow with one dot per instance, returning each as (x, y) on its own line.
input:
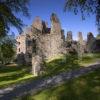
(86, 87)
(68, 63)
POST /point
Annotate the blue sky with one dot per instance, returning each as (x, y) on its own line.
(68, 20)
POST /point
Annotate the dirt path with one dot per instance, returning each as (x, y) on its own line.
(11, 92)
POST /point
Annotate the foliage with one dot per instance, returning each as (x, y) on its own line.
(85, 6)
(8, 10)
(6, 49)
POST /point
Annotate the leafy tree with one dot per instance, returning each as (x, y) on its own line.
(85, 6)
(6, 49)
(8, 8)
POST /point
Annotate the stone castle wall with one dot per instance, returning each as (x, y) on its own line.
(40, 40)
(50, 41)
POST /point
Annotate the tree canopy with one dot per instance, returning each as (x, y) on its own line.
(85, 7)
(8, 11)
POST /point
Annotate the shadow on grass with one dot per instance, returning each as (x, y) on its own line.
(13, 74)
(90, 58)
(5, 69)
(68, 63)
(86, 87)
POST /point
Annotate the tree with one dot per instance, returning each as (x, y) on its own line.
(7, 51)
(8, 8)
(85, 6)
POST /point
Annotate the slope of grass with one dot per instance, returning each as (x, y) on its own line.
(12, 74)
(66, 63)
(86, 87)
(90, 58)
(70, 62)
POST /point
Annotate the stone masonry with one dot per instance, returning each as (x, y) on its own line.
(49, 41)
(39, 42)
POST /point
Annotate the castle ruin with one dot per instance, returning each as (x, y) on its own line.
(40, 42)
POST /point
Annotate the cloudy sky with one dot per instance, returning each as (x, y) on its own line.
(68, 20)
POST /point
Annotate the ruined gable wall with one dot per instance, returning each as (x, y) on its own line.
(50, 43)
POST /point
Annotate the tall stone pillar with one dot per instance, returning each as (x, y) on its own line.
(37, 59)
(36, 65)
(80, 45)
(69, 37)
(55, 24)
(37, 23)
(56, 35)
(90, 42)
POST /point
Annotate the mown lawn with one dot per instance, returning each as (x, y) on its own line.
(90, 58)
(66, 63)
(86, 87)
(14, 75)
(70, 62)
(10, 75)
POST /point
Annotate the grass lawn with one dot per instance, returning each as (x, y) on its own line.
(12, 74)
(70, 62)
(90, 58)
(86, 87)
(66, 63)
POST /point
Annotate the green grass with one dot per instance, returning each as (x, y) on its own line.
(66, 63)
(13, 75)
(69, 62)
(10, 75)
(90, 58)
(86, 87)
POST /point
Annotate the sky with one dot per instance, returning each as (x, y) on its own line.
(69, 21)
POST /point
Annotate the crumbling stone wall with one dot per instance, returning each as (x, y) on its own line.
(71, 45)
(49, 41)
(43, 42)
(80, 45)
(90, 42)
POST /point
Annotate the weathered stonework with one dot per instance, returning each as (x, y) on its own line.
(39, 42)
(69, 37)
(90, 42)
(37, 62)
(71, 45)
(80, 45)
(49, 41)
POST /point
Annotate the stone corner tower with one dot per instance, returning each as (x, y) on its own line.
(55, 24)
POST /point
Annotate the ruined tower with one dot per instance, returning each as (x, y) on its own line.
(80, 45)
(90, 42)
(57, 36)
(69, 37)
(49, 41)
(45, 42)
